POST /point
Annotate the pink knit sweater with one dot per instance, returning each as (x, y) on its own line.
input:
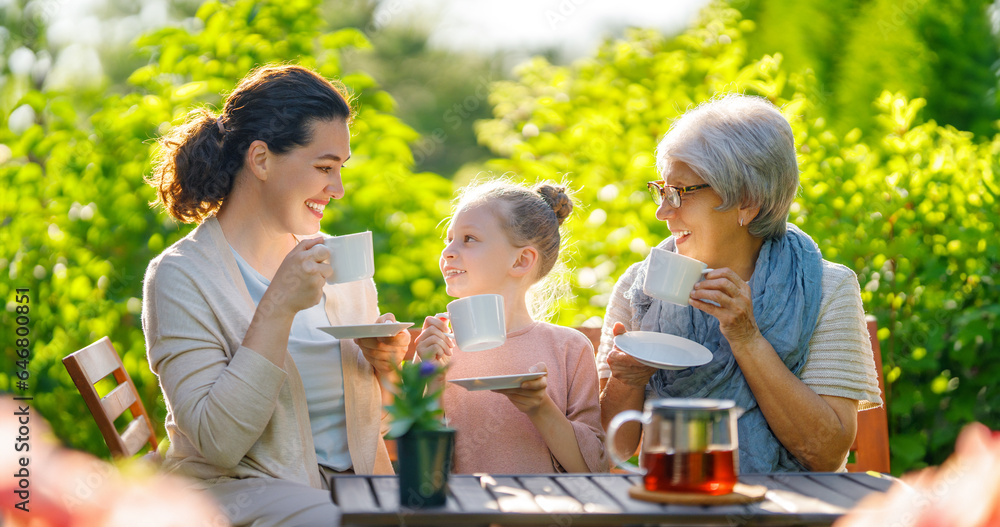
(494, 436)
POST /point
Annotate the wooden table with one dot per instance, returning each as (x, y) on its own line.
(599, 499)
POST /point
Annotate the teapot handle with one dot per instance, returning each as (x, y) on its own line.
(616, 423)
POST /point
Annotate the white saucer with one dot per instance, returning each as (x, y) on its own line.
(497, 382)
(660, 350)
(386, 329)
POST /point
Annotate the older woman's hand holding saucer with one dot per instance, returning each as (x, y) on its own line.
(625, 368)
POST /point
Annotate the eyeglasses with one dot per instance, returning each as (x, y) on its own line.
(660, 191)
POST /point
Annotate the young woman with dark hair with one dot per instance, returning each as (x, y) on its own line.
(261, 407)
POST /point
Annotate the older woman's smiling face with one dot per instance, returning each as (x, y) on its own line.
(701, 232)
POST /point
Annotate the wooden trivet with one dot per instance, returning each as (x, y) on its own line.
(741, 494)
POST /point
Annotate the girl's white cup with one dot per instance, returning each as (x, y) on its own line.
(478, 322)
(351, 256)
(671, 276)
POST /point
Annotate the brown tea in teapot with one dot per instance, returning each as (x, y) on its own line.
(711, 472)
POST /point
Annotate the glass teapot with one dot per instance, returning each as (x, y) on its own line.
(688, 445)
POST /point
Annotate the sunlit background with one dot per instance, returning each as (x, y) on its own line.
(894, 103)
(81, 29)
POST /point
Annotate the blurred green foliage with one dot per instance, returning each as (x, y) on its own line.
(944, 51)
(907, 203)
(440, 92)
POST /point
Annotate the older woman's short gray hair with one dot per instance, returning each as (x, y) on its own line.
(744, 148)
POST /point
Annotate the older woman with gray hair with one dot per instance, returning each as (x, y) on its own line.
(786, 328)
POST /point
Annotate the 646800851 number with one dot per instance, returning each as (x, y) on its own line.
(22, 337)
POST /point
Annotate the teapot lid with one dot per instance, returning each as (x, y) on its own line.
(692, 404)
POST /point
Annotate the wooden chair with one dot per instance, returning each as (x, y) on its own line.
(871, 444)
(90, 365)
(594, 334)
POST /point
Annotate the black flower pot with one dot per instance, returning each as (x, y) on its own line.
(424, 464)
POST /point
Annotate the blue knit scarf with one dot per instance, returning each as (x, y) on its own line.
(786, 290)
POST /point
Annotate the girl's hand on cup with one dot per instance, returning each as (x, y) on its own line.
(624, 367)
(298, 282)
(385, 353)
(532, 395)
(435, 343)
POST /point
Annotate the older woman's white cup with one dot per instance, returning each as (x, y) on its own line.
(351, 256)
(477, 322)
(671, 276)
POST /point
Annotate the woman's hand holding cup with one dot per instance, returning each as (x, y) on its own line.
(298, 282)
(624, 367)
(725, 296)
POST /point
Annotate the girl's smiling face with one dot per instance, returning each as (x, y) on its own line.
(478, 257)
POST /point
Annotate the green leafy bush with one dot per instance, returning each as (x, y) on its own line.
(912, 213)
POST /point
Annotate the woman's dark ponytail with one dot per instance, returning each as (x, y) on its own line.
(188, 180)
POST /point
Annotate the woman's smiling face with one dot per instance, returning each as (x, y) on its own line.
(701, 231)
(477, 256)
(303, 180)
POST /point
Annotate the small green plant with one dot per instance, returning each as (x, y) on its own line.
(416, 403)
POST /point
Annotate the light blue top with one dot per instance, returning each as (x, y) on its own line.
(317, 357)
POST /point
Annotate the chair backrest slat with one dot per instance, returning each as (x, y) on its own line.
(594, 334)
(87, 367)
(118, 400)
(136, 435)
(98, 360)
(871, 444)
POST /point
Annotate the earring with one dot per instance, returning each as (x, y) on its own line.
(741, 222)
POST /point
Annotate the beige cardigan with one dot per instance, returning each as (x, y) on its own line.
(231, 413)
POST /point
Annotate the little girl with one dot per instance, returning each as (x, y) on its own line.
(503, 239)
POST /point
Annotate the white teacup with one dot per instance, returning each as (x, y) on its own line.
(351, 256)
(478, 322)
(671, 276)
